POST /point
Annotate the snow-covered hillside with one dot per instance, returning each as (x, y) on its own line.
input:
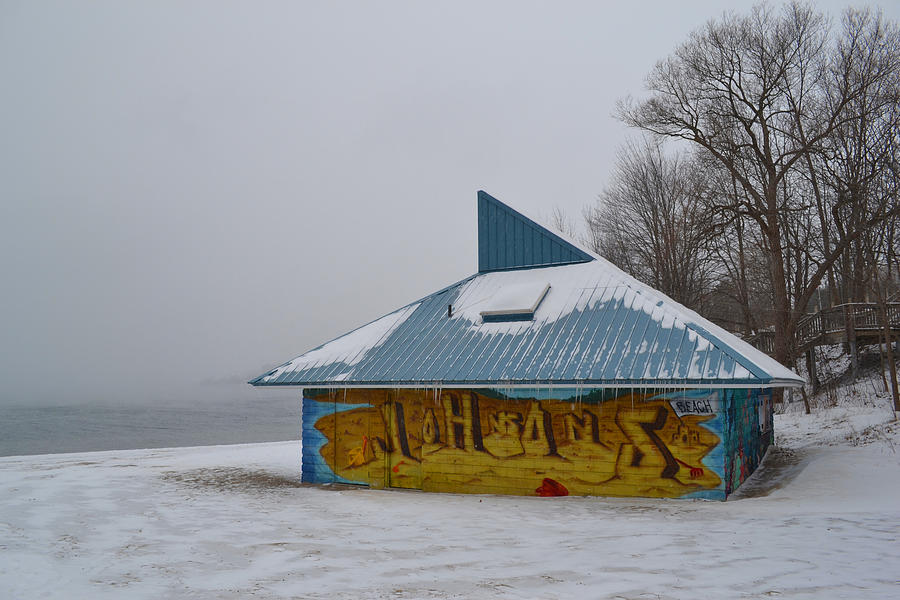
(821, 520)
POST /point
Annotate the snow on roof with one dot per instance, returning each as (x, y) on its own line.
(596, 326)
(520, 299)
(587, 324)
(351, 347)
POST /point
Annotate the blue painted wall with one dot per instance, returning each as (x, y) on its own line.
(748, 430)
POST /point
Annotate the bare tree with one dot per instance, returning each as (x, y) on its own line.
(856, 164)
(651, 221)
(878, 246)
(562, 222)
(742, 299)
(860, 152)
(759, 95)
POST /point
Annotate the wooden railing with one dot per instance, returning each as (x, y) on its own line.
(763, 340)
(830, 325)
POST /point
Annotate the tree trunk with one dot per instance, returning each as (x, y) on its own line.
(892, 365)
(811, 369)
(783, 312)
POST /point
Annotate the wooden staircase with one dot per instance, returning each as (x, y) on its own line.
(835, 325)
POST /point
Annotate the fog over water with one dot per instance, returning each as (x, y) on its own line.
(193, 193)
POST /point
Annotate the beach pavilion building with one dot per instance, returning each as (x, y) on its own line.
(548, 372)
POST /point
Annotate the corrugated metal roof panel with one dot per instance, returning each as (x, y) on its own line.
(597, 326)
(508, 239)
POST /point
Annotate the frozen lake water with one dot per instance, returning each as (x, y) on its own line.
(235, 416)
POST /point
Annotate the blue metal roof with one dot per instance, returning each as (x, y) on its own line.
(596, 327)
(508, 239)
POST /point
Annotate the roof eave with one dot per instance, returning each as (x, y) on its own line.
(544, 384)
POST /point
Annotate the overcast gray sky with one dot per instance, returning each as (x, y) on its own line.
(193, 192)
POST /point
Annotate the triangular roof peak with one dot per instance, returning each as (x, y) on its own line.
(507, 240)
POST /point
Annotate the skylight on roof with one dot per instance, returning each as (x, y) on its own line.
(516, 302)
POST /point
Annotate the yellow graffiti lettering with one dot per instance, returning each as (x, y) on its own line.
(431, 433)
(649, 453)
(503, 440)
(623, 446)
(585, 427)
(537, 435)
(393, 414)
(463, 421)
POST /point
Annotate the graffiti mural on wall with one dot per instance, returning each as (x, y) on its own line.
(481, 441)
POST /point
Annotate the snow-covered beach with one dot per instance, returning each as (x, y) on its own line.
(820, 520)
